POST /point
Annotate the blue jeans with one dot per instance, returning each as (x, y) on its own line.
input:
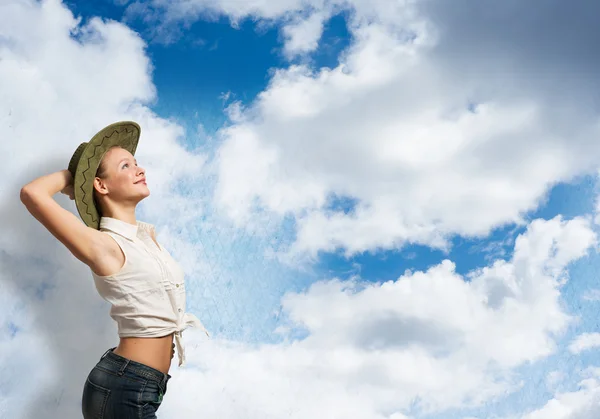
(118, 388)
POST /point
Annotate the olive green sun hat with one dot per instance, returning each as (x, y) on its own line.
(86, 159)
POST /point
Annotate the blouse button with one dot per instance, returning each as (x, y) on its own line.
(177, 285)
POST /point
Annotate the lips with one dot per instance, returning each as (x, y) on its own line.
(141, 181)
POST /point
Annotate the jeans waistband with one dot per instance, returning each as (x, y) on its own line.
(120, 364)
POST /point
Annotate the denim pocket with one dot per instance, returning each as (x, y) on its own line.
(93, 403)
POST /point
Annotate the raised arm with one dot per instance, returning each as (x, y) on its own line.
(87, 244)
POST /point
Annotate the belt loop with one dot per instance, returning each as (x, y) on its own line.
(106, 353)
(122, 369)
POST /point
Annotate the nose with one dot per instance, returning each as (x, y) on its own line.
(141, 170)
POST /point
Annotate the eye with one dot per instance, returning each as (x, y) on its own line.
(125, 165)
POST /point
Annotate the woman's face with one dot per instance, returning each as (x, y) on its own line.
(120, 177)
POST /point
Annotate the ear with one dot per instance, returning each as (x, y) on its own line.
(100, 186)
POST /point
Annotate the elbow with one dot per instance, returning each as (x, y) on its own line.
(27, 195)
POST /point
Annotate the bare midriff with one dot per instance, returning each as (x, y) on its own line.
(153, 352)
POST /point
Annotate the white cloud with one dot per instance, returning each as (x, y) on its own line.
(303, 36)
(584, 342)
(436, 122)
(592, 295)
(426, 342)
(428, 137)
(581, 404)
(107, 77)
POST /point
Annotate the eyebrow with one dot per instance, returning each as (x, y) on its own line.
(127, 158)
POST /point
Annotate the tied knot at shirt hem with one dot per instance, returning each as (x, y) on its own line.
(189, 320)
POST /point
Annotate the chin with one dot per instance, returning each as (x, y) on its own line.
(141, 196)
(143, 193)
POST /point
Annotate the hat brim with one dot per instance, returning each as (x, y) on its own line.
(124, 134)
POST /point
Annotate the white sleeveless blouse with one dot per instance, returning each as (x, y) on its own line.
(148, 293)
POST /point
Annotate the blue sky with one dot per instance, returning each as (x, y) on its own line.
(211, 59)
(388, 209)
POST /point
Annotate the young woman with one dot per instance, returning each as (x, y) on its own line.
(131, 270)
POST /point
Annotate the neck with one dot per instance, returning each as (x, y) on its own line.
(125, 214)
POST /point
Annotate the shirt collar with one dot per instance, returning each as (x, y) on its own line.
(129, 231)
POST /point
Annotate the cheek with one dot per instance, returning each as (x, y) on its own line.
(122, 184)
